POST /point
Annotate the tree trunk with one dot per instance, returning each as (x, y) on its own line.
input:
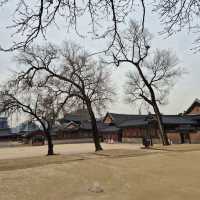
(94, 127)
(153, 103)
(160, 125)
(50, 143)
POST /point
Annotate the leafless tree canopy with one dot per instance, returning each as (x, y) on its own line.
(132, 47)
(105, 18)
(76, 74)
(157, 72)
(150, 80)
(42, 104)
(160, 72)
(178, 14)
(32, 18)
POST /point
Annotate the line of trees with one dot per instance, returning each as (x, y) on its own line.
(53, 79)
(153, 73)
(42, 104)
(72, 75)
(33, 19)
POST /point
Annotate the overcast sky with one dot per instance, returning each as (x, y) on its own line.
(182, 95)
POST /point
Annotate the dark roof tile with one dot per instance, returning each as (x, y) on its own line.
(174, 119)
(102, 127)
(135, 123)
(195, 102)
(120, 118)
(124, 120)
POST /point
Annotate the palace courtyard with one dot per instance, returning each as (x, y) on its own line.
(119, 172)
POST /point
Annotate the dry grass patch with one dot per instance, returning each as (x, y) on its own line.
(119, 153)
(177, 147)
(167, 175)
(23, 163)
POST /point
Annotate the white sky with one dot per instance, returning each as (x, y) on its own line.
(182, 95)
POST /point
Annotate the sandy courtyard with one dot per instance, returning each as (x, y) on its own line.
(169, 173)
(30, 151)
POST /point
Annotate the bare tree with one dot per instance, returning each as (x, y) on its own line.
(33, 18)
(179, 14)
(82, 78)
(160, 73)
(133, 49)
(41, 104)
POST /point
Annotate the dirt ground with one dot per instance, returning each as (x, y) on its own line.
(66, 149)
(121, 174)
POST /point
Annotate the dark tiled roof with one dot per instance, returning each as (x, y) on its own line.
(123, 120)
(174, 119)
(185, 127)
(77, 116)
(26, 126)
(6, 133)
(71, 118)
(109, 129)
(195, 102)
(193, 117)
(135, 122)
(3, 118)
(120, 118)
(101, 127)
(65, 127)
(88, 126)
(3, 122)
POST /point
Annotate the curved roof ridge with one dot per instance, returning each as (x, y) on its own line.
(196, 101)
(127, 114)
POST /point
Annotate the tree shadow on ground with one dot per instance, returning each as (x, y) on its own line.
(31, 162)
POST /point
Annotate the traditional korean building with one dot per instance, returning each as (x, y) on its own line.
(184, 128)
(27, 131)
(194, 109)
(76, 127)
(5, 131)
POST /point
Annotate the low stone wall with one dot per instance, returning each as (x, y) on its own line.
(72, 141)
(156, 141)
(139, 140)
(132, 140)
(176, 138)
(195, 137)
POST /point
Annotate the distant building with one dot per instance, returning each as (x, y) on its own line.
(180, 129)
(194, 109)
(116, 127)
(25, 127)
(76, 116)
(5, 131)
(76, 127)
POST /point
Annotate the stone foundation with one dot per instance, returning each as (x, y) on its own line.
(132, 140)
(195, 137)
(139, 140)
(156, 141)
